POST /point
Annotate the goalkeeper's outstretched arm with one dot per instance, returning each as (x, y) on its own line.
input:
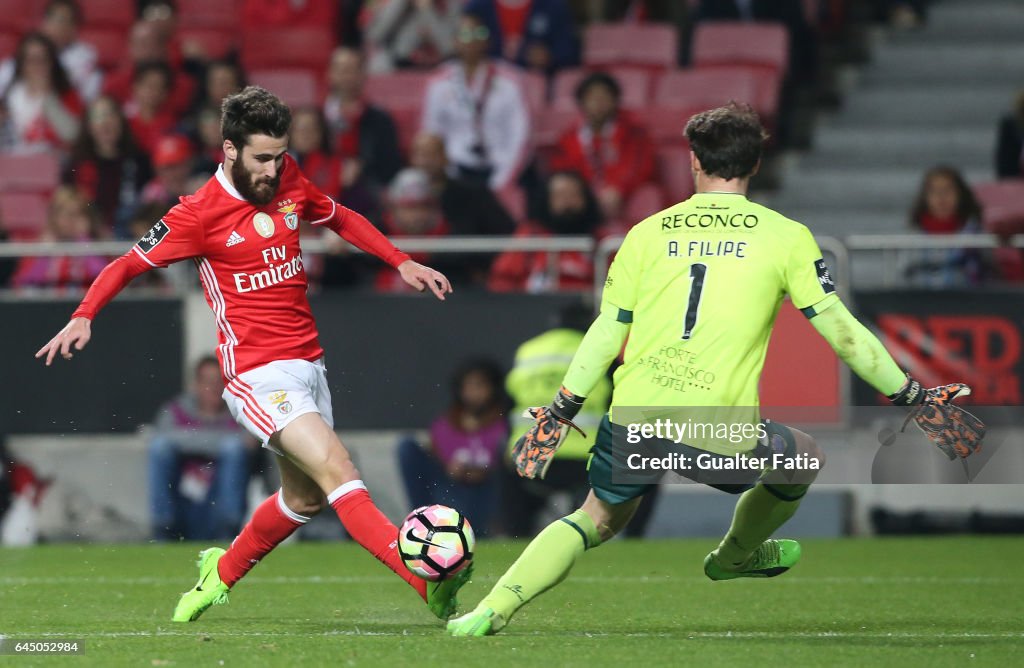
(601, 345)
(859, 348)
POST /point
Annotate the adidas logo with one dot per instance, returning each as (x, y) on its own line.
(235, 238)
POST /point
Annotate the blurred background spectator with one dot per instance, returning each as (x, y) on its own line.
(148, 42)
(147, 110)
(606, 146)
(42, 106)
(308, 145)
(569, 207)
(173, 163)
(945, 204)
(106, 164)
(409, 33)
(459, 466)
(1010, 143)
(414, 210)
(538, 35)
(477, 107)
(60, 24)
(199, 463)
(469, 208)
(362, 134)
(70, 219)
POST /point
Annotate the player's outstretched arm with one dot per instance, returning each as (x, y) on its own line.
(75, 334)
(955, 431)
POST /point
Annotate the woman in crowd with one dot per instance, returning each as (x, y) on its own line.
(946, 205)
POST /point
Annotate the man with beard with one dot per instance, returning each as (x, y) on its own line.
(241, 230)
(567, 208)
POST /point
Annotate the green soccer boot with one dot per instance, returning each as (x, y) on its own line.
(773, 557)
(209, 590)
(480, 622)
(442, 596)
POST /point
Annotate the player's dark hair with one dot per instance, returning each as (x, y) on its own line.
(967, 206)
(598, 79)
(58, 76)
(205, 360)
(254, 111)
(728, 140)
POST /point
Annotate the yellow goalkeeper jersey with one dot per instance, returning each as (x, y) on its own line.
(702, 282)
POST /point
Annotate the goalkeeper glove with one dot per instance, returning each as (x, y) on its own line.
(535, 449)
(955, 431)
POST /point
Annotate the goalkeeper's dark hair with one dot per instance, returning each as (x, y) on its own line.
(254, 111)
(728, 140)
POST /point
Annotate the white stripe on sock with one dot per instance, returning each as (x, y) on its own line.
(288, 512)
(350, 486)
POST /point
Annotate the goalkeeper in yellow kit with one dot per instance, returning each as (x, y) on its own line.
(695, 289)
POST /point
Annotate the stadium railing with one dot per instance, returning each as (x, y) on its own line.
(897, 249)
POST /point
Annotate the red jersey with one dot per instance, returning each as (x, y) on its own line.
(249, 262)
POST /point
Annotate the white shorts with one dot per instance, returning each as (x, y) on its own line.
(265, 399)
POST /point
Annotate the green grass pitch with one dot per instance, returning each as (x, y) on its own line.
(905, 602)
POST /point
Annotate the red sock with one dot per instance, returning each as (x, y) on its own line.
(368, 527)
(270, 525)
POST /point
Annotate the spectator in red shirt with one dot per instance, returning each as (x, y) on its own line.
(147, 43)
(308, 145)
(945, 204)
(147, 111)
(290, 14)
(42, 106)
(106, 163)
(362, 134)
(70, 219)
(611, 150)
(569, 208)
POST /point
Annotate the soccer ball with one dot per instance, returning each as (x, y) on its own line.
(436, 542)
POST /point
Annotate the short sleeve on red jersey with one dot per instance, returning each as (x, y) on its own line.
(174, 237)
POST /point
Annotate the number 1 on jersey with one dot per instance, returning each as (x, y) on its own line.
(697, 273)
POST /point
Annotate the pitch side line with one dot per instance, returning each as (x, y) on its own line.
(690, 635)
(13, 581)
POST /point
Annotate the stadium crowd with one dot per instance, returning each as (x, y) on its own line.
(432, 117)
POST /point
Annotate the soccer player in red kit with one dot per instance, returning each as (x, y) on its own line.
(241, 231)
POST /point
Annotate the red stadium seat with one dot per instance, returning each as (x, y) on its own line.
(407, 124)
(648, 45)
(635, 83)
(731, 43)
(21, 15)
(216, 43)
(222, 14)
(23, 214)
(265, 48)
(549, 126)
(32, 173)
(665, 124)
(8, 44)
(1002, 204)
(535, 90)
(109, 43)
(398, 90)
(645, 201)
(107, 13)
(676, 177)
(703, 89)
(297, 87)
